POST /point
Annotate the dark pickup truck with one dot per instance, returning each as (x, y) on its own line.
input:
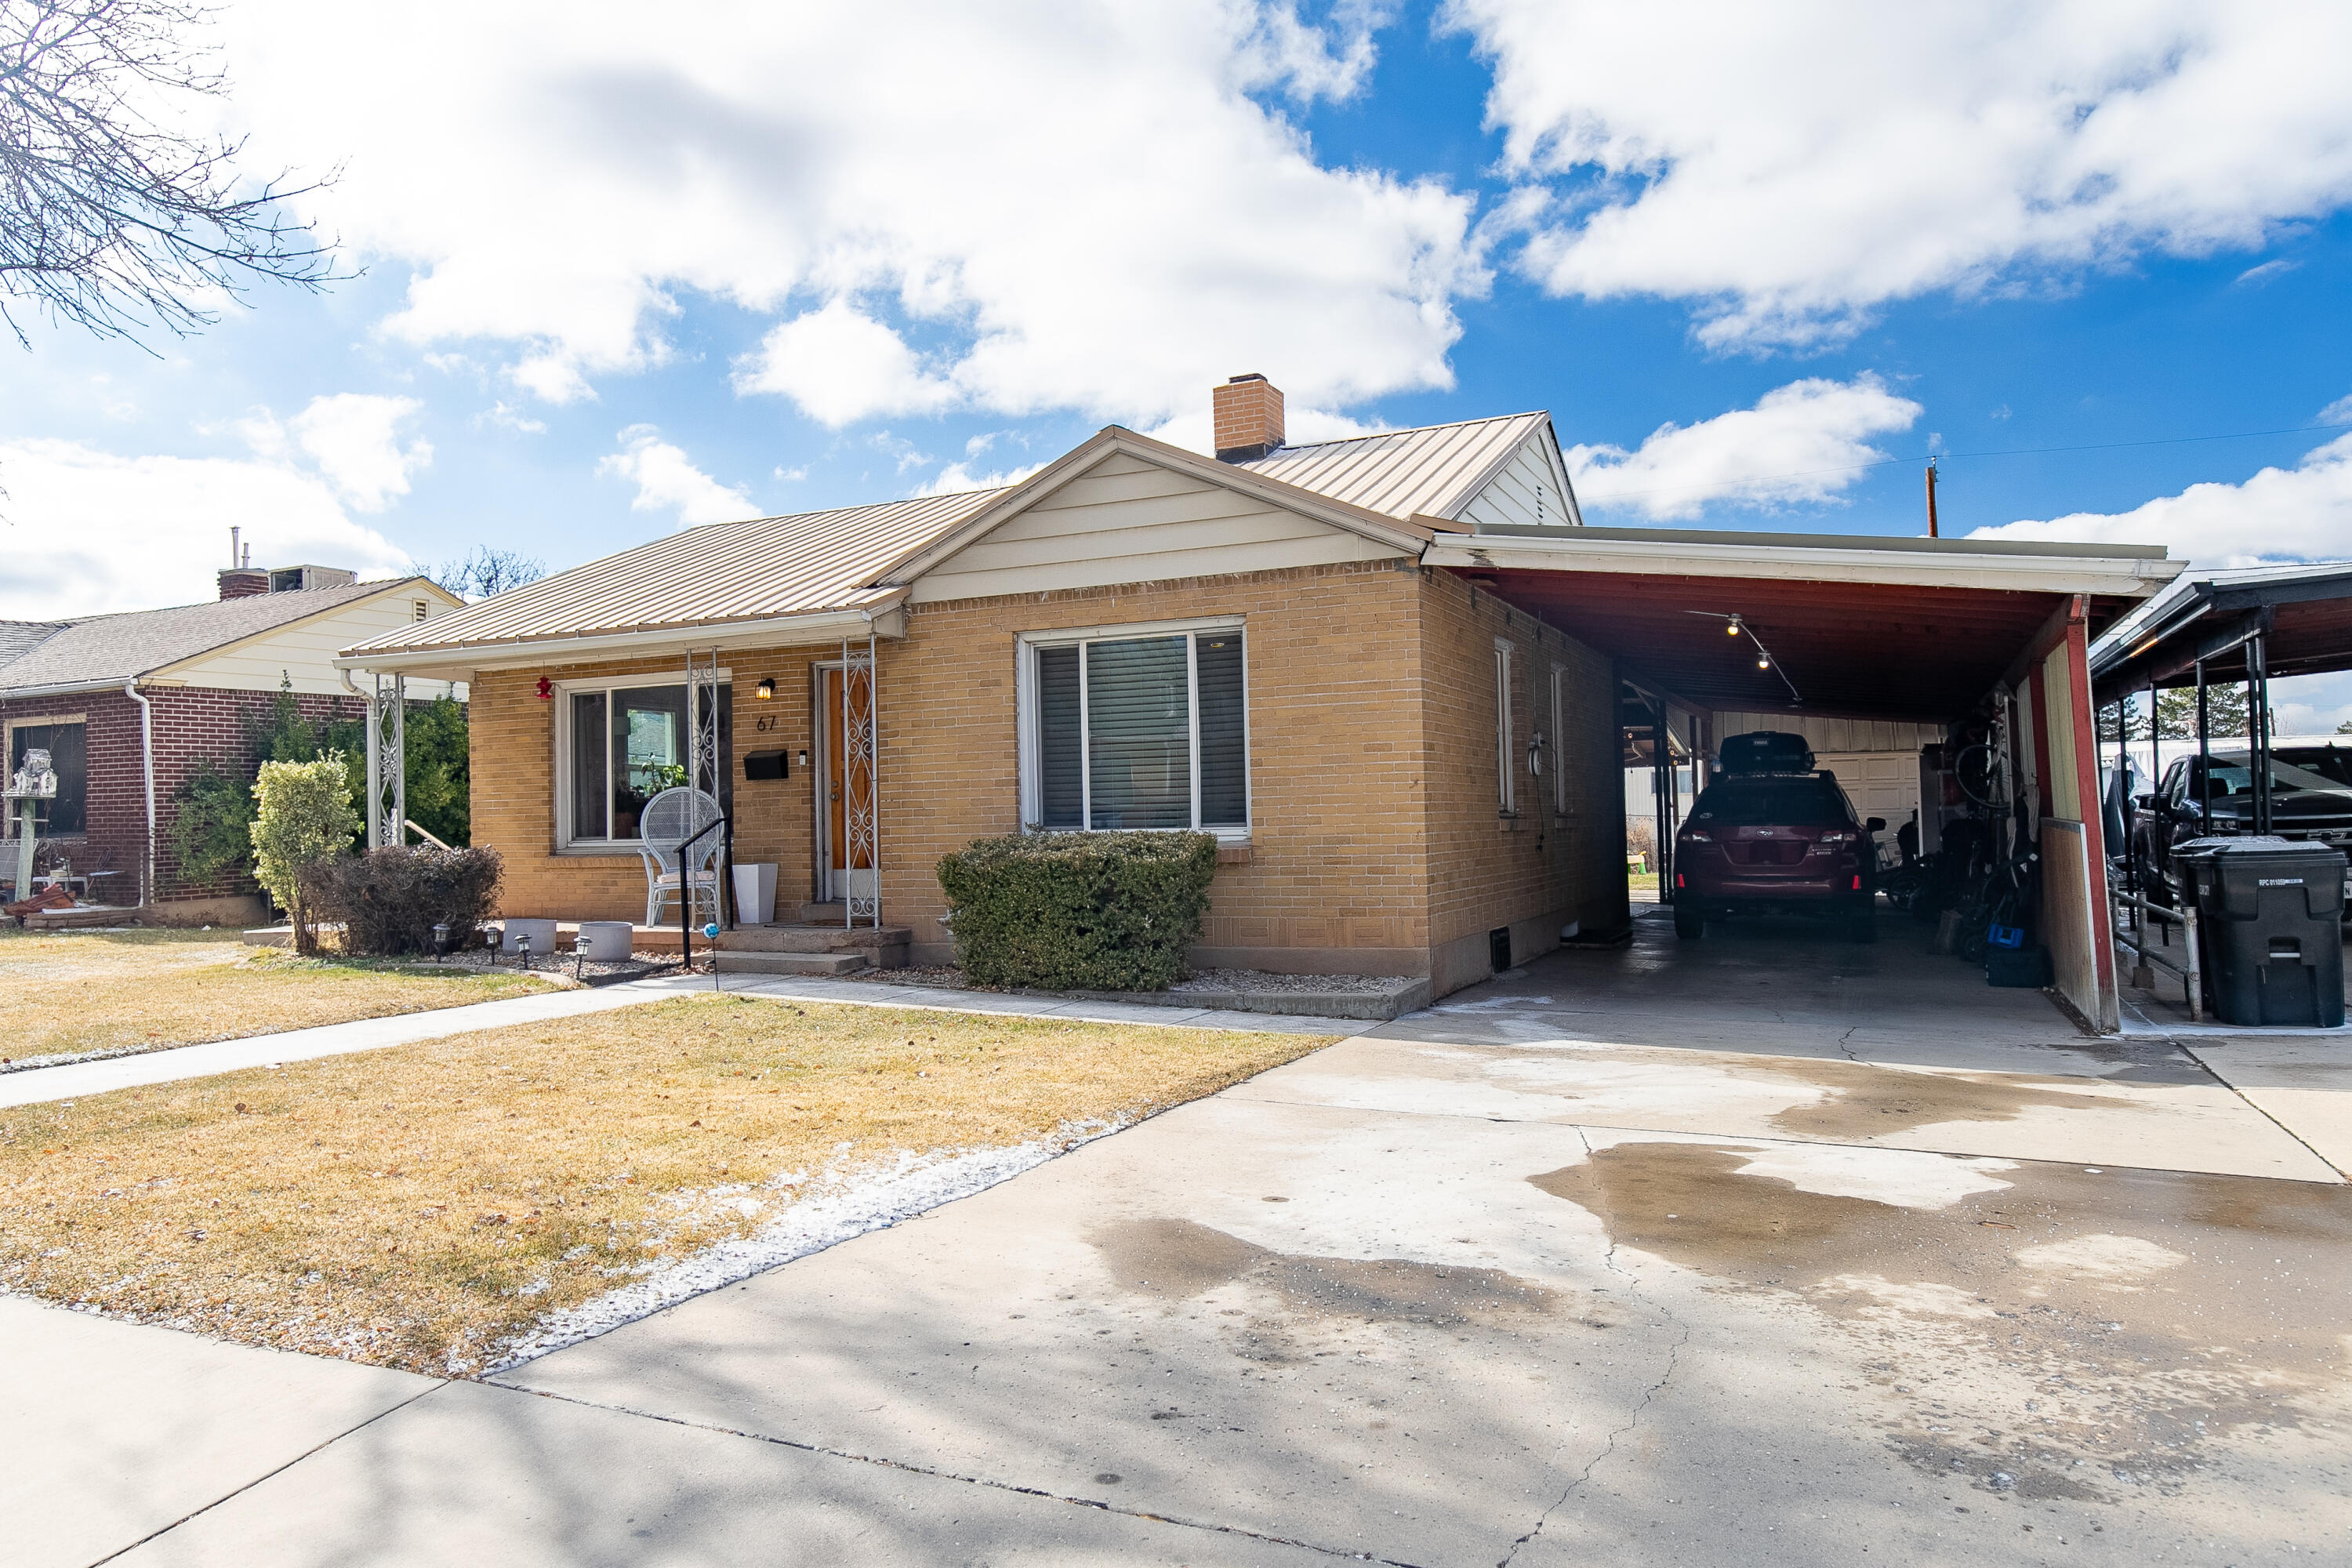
(2311, 798)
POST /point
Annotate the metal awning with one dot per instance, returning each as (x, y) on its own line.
(1860, 627)
(2302, 614)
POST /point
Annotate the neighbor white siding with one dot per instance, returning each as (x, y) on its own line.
(1528, 491)
(1128, 521)
(303, 651)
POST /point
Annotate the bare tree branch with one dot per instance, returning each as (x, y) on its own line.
(486, 573)
(109, 220)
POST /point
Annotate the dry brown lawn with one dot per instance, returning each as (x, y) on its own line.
(422, 1207)
(62, 994)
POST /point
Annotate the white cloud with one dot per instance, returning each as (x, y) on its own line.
(2336, 412)
(842, 366)
(504, 416)
(89, 532)
(1805, 442)
(1058, 205)
(956, 477)
(667, 480)
(2302, 513)
(354, 437)
(1788, 167)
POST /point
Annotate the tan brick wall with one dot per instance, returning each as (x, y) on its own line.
(1374, 842)
(1540, 870)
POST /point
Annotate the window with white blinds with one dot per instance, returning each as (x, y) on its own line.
(1139, 731)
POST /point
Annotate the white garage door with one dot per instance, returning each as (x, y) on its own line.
(1880, 784)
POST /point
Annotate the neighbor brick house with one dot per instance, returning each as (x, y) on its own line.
(129, 704)
(1259, 651)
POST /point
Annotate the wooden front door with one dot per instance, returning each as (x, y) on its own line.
(848, 787)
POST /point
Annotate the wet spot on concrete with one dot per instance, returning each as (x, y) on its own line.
(2083, 1333)
(1176, 1259)
(1865, 1101)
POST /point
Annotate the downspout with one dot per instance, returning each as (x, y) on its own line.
(147, 764)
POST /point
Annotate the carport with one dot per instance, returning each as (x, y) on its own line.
(1919, 630)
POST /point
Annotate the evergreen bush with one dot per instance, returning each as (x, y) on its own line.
(390, 899)
(1080, 911)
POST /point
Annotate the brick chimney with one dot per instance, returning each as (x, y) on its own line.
(243, 583)
(1248, 418)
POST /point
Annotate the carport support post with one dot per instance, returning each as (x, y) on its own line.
(1661, 781)
(2204, 752)
(2258, 726)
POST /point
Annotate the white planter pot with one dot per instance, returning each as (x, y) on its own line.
(542, 935)
(755, 894)
(604, 942)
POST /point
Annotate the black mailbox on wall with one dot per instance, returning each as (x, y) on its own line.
(766, 764)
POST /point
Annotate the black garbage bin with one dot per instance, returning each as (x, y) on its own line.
(2269, 918)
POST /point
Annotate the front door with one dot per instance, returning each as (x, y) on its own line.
(848, 786)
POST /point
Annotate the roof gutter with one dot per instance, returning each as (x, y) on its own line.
(68, 688)
(889, 621)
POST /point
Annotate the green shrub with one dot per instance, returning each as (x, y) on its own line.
(390, 899)
(304, 816)
(212, 825)
(1080, 911)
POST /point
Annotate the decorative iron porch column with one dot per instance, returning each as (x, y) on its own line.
(387, 761)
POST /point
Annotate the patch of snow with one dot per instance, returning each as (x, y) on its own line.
(2103, 1259)
(838, 1207)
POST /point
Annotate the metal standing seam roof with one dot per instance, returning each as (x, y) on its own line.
(107, 650)
(721, 572)
(1430, 471)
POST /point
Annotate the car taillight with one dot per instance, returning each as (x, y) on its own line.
(1678, 880)
(1857, 884)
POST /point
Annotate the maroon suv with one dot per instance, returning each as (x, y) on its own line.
(1775, 844)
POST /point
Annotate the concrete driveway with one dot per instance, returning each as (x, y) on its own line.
(1761, 1251)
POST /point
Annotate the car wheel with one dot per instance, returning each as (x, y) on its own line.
(1863, 927)
(1689, 924)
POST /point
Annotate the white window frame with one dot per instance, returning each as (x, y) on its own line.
(1032, 785)
(1506, 765)
(566, 841)
(8, 751)
(1563, 796)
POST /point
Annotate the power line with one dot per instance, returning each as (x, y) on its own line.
(1990, 452)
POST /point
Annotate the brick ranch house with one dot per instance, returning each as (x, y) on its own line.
(129, 704)
(1135, 636)
(1305, 650)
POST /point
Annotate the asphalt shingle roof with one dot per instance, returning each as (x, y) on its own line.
(108, 649)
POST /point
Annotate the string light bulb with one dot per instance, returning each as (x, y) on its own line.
(1763, 663)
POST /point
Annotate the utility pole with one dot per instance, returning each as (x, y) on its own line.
(1932, 532)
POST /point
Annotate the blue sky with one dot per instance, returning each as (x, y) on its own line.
(779, 258)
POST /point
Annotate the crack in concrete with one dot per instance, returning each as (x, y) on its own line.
(1841, 1041)
(1633, 1419)
(882, 1462)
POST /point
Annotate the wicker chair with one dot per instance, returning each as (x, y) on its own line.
(670, 819)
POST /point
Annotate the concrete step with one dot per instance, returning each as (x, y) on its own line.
(811, 937)
(737, 962)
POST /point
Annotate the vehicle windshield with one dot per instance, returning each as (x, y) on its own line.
(2324, 768)
(1772, 803)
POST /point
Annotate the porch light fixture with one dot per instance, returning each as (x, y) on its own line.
(766, 689)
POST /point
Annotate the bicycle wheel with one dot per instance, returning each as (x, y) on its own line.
(1978, 771)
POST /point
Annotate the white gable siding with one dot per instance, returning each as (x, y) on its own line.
(1128, 521)
(1528, 491)
(303, 652)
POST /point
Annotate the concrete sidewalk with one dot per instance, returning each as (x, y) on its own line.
(77, 1080)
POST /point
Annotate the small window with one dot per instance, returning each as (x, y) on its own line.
(1145, 731)
(1505, 763)
(66, 815)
